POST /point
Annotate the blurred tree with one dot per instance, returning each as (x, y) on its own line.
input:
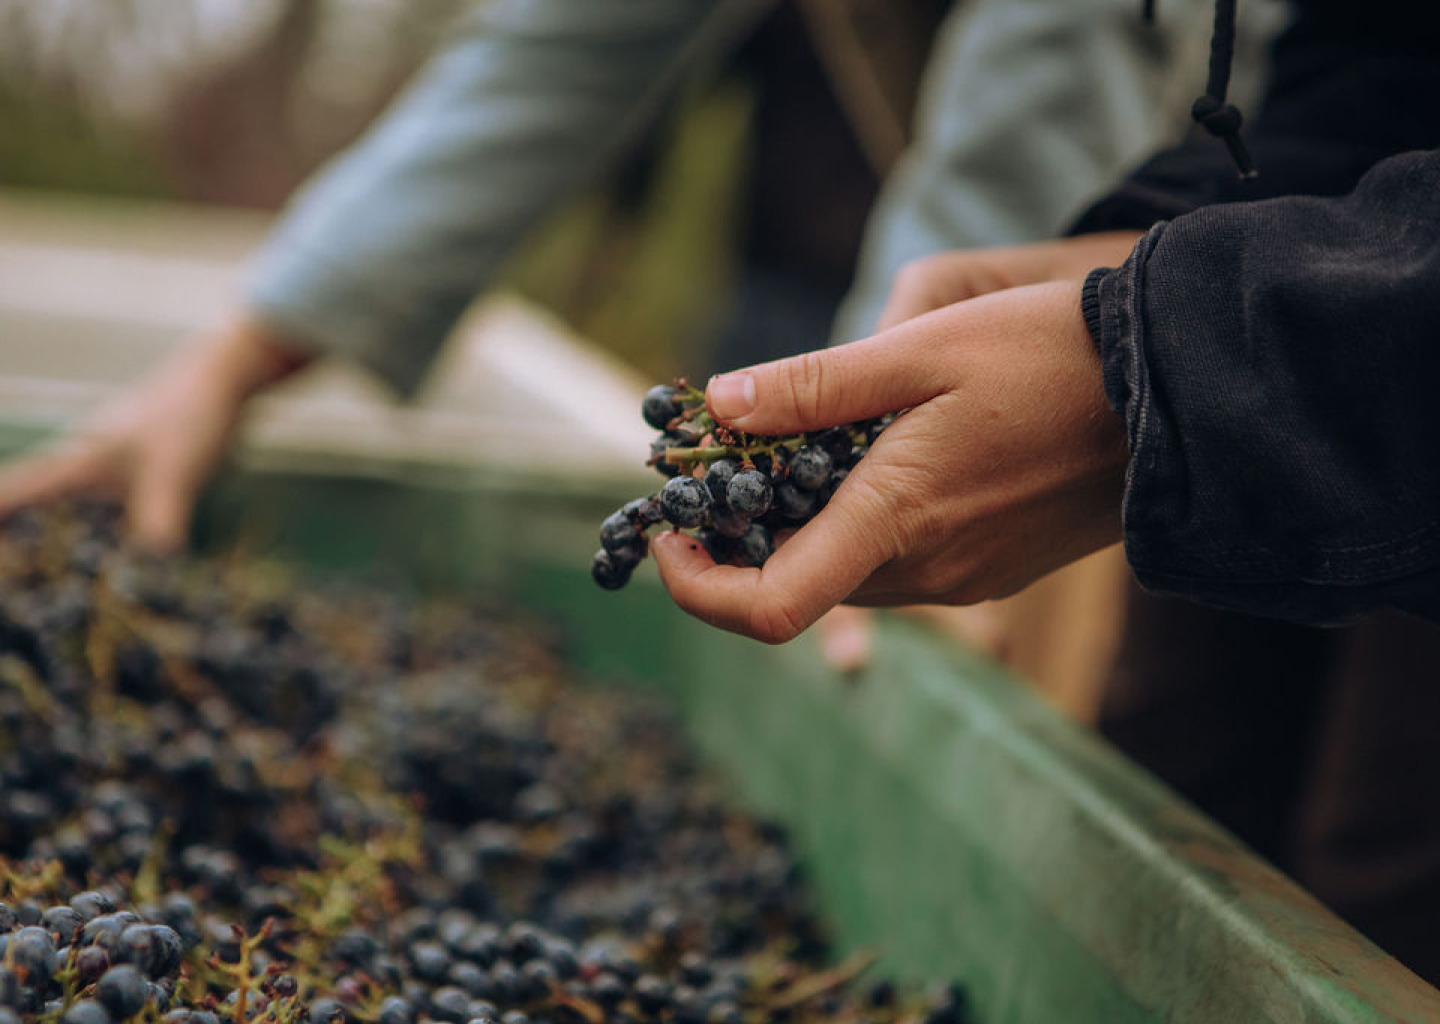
(239, 99)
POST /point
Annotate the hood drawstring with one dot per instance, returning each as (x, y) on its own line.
(1219, 118)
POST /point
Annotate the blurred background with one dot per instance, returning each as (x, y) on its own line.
(147, 145)
(235, 102)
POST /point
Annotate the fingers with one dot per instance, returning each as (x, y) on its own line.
(821, 389)
(813, 572)
(43, 478)
(161, 500)
(924, 285)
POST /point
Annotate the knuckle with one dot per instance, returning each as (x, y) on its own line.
(804, 383)
(914, 272)
(934, 577)
(774, 622)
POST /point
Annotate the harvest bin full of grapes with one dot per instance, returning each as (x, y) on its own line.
(379, 750)
(719, 512)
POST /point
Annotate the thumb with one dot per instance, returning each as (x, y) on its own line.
(880, 374)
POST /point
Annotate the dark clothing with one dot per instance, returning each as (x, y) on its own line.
(1315, 746)
(1274, 348)
(1277, 361)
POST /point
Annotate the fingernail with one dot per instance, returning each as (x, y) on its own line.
(731, 396)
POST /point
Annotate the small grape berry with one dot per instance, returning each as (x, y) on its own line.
(749, 493)
(657, 456)
(644, 512)
(685, 501)
(122, 991)
(729, 524)
(718, 477)
(717, 547)
(794, 503)
(810, 468)
(660, 406)
(608, 573)
(617, 532)
(755, 547)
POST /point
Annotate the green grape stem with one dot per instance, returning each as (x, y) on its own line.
(690, 456)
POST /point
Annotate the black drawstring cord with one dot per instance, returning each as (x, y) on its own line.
(1211, 110)
(1219, 118)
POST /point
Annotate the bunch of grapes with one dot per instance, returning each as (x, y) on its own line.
(734, 489)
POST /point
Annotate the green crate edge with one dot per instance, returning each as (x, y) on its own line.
(947, 817)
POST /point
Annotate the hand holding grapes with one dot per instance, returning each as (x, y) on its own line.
(1008, 465)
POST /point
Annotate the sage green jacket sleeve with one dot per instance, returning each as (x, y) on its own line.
(380, 254)
(1029, 110)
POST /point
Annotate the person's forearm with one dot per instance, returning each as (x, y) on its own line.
(378, 257)
(250, 356)
(1277, 370)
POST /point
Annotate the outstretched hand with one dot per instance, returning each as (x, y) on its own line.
(156, 446)
(1008, 464)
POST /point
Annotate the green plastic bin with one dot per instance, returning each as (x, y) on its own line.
(948, 818)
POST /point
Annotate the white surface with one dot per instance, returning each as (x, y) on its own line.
(93, 294)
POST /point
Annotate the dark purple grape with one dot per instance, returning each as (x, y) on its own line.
(657, 455)
(32, 949)
(653, 994)
(607, 572)
(91, 962)
(685, 501)
(86, 1011)
(90, 905)
(617, 533)
(810, 468)
(718, 477)
(328, 1011)
(62, 922)
(122, 991)
(779, 465)
(749, 493)
(450, 1004)
(607, 990)
(644, 512)
(836, 443)
(660, 406)
(729, 524)
(396, 1010)
(793, 503)
(717, 547)
(755, 547)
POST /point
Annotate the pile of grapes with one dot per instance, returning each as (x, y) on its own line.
(228, 800)
(735, 490)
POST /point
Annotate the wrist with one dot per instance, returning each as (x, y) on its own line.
(250, 357)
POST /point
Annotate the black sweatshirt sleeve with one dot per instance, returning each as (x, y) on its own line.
(1347, 89)
(1277, 365)
(1275, 348)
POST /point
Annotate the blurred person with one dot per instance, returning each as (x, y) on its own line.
(376, 259)
(1236, 375)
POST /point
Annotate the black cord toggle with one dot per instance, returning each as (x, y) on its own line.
(1223, 120)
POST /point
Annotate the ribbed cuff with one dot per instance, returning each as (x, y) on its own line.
(1090, 302)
